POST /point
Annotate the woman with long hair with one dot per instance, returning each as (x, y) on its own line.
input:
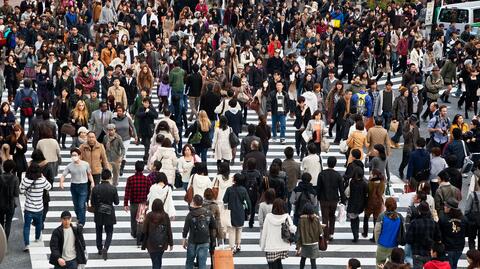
(309, 231)
(18, 147)
(5, 153)
(163, 191)
(10, 73)
(473, 259)
(357, 140)
(221, 143)
(7, 120)
(376, 189)
(271, 242)
(145, 78)
(157, 221)
(166, 154)
(79, 115)
(316, 129)
(458, 122)
(332, 98)
(265, 207)
(203, 126)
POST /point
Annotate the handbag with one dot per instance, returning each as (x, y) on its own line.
(68, 128)
(254, 104)
(287, 236)
(324, 145)
(196, 137)
(394, 126)
(189, 195)
(105, 209)
(215, 189)
(178, 180)
(467, 162)
(141, 212)
(322, 243)
(225, 217)
(307, 136)
(343, 147)
(244, 95)
(233, 138)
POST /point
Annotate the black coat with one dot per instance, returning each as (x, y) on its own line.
(206, 142)
(9, 119)
(194, 84)
(272, 104)
(260, 158)
(208, 102)
(146, 121)
(19, 154)
(299, 119)
(107, 194)
(130, 89)
(234, 121)
(56, 245)
(238, 201)
(358, 196)
(330, 186)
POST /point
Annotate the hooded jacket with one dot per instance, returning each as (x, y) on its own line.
(437, 264)
(270, 240)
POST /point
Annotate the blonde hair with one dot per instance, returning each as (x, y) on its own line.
(204, 121)
(81, 115)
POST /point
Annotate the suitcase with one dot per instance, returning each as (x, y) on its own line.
(223, 258)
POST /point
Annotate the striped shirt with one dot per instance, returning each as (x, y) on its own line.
(34, 193)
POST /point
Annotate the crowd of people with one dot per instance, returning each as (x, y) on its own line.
(88, 70)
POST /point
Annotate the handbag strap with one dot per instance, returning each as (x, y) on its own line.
(464, 148)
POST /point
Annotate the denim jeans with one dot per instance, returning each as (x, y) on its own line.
(69, 265)
(453, 257)
(22, 121)
(278, 117)
(156, 259)
(387, 118)
(197, 250)
(37, 219)
(202, 151)
(79, 197)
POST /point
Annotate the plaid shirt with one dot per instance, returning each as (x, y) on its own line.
(137, 189)
(421, 233)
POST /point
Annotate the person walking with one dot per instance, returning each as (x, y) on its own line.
(163, 191)
(99, 120)
(302, 195)
(81, 174)
(198, 224)
(200, 181)
(104, 196)
(253, 179)
(94, 153)
(136, 192)
(125, 128)
(186, 163)
(67, 245)
(309, 231)
(146, 114)
(202, 126)
(357, 193)
(330, 191)
(167, 156)
(18, 148)
(8, 192)
(453, 227)
(271, 242)
(157, 232)
(376, 189)
(389, 231)
(236, 199)
(33, 187)
(221, 143)
(115, 151)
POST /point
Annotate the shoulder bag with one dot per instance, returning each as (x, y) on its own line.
(189, 195)
(215, 188)
(233, 139)
(467, 162)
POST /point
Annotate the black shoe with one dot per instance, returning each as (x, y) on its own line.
(372, 240)
(63, 146)
(104, 254)
(330, 239)
(122, 167)
(364, 235)
(99, 252)
(355, 240)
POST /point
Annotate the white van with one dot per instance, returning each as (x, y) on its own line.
(461, 14)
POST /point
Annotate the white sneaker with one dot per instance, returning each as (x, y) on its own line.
(26, 249)
(39, 239)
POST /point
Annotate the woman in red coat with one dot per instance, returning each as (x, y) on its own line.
(273, 45)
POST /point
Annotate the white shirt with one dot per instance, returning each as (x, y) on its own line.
(68, 251)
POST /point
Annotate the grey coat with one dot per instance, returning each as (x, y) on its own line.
(96, 123)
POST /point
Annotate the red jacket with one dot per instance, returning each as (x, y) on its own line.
(203, 9)
(402, 47)
(436, 264)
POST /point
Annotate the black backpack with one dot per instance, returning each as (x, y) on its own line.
(302, 200)
(158, 237)
(26, 108)
(200, 229)
(251, 184)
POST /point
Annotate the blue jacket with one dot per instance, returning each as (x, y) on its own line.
(456, 148)
(25, 92)
(368, 103)
(419, 160)
(338, 16)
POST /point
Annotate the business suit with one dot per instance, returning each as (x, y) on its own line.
(99, 125)
(130, 88)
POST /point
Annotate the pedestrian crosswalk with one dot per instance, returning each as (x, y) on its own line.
(124, 253)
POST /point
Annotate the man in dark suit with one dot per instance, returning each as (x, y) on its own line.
(282, 29)
(129, 83)
(339, 113)
(259, 156)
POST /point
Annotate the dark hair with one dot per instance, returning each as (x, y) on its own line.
(223, 123)
(157, 206)
(9, 166)
(76, 150)
(436, 151)
(444, 176)
(139, 166)
(251, 128)
(34, 171)
(397, 255)
(474, 255)
(159, 138)
(354, 263)
(439, 249)
(311, 148)
(457, 134)
(201, 168)
(37, 156)
(359, 125)
(378, 121)
(162, 126)
(357, 173)
(269, 196)
(161, 177)
(331, 161)
(167, 143)
(239, 179)
(157, 165)
(191, 149)
(106, 174)
(224, 170)
(278, 207)
(356, 153)
(274, 169)
(197, 200)
(306, 177)
(288, 151)
(421, 142)
(381, 151)
(251, 163)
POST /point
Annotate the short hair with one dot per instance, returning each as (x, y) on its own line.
(197, 200)
(444, 176)
(390, 204)
(359, 125)
(331, 162)
(311, 148)
(232, 103)
(9, 166)
(106, 174)
(397, 255)
(457, 134)
(306, 177)
(439, 249)
(239, 179)
(208, 194)
(356, 153)
(251, 128)
(167, 143)
(201, 168)
(161, 177)
(27, 83)
(77, 150)
(288, 151)
(436, 151)
(157, 165)
(379, 121)
(354, 263)
(421, 142)
(139, 166)
(269, 196)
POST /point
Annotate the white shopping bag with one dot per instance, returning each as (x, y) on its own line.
(341, 214)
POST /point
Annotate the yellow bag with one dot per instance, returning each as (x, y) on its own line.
(336, 23)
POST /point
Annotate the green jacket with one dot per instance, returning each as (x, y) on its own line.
(176, 80)
(309, 231)
(449, 72)
(92, 105)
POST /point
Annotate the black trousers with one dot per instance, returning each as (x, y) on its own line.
(108, 239)
(404, 163)
(6, 217)
(300, 145)
(355, 226)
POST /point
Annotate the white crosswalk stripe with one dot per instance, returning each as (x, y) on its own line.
(123, 252)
